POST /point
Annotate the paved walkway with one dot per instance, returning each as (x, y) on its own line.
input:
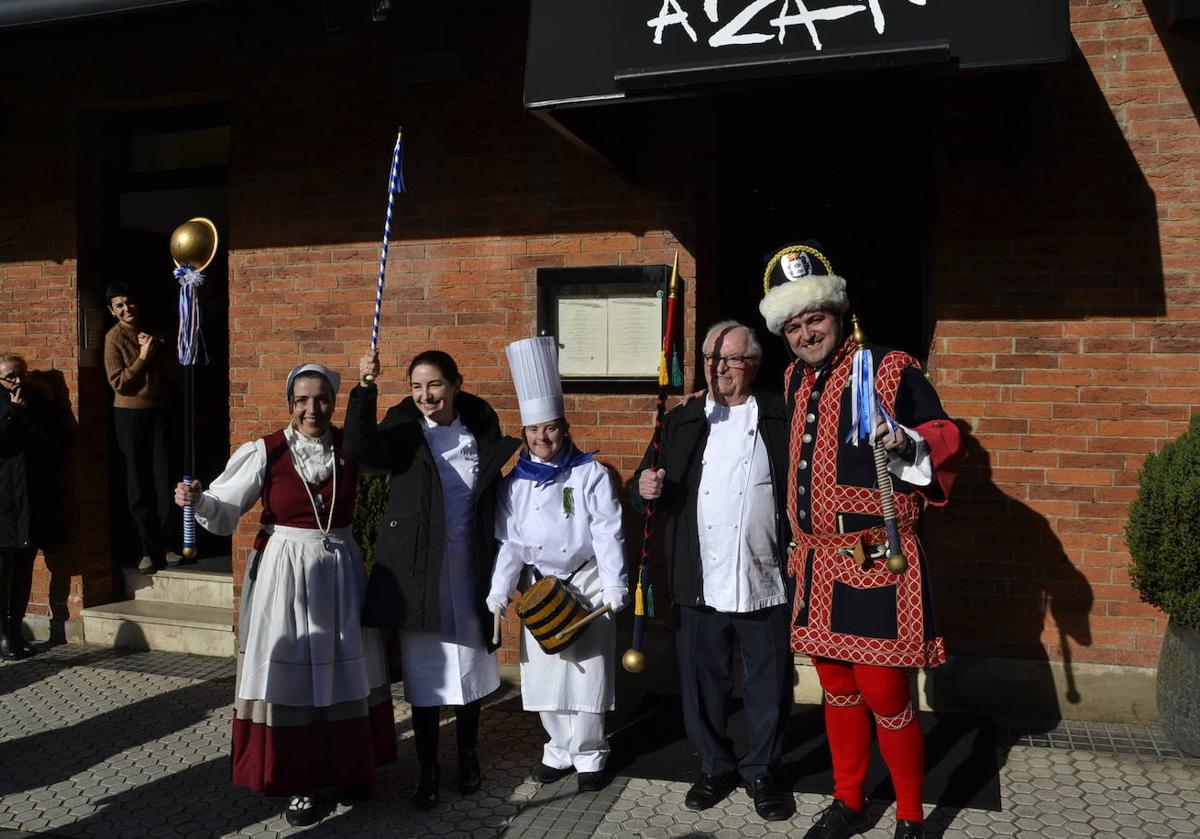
(97, 742)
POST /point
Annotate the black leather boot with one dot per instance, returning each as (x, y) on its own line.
(470, 776)
(10, 648)
(428, 794)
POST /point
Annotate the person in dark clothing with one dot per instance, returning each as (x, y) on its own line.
(31, 441)
(141, 371)
(436, 547)
(720, 489)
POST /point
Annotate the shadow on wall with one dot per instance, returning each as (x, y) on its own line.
(58, 555)
(1181, 41)
(1002, 579)
(1043, 210)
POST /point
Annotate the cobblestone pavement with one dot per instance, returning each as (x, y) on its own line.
(97, 742)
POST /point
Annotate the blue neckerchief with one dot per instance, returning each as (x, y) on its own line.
(543, 474)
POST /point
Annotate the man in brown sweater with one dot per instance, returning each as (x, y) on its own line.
(141, 370)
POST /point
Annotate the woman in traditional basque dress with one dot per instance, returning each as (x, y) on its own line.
(313, 707)
(444, 452)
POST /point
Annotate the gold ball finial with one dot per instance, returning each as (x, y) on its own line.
(194, 243)
(896, 563)
(634, 661)
(860, 337)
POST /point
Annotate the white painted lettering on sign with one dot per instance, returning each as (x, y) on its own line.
(744, 27)
(666, 17)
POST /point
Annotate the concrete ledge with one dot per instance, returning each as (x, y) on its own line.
(40, 628)
(151, 625)
(208, 582)
(1007, 687)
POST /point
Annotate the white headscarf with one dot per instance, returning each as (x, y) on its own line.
(333, 378)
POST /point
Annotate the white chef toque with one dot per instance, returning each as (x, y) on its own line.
(534, 365)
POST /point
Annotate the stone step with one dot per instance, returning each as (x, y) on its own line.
(154, 625)
(207, 582)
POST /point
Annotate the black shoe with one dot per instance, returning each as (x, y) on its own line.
(428, 794)
(770, 802)
(303, 810)
(9, 650)
(470, 778)
(837, 821)
(710, 790)
(548, 774)
(593, 781)
(909, 830)
(15, 635)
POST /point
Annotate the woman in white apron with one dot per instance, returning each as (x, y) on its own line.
(559, 516)
(436, 547)
(313, 706)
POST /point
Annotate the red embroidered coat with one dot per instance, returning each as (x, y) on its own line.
(844, 611)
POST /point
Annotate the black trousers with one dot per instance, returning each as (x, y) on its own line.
(144, 440)
(16, 581)
(704, 642)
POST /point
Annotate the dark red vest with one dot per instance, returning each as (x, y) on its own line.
(284, 499)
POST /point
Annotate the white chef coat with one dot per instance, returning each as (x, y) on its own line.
(539, 527)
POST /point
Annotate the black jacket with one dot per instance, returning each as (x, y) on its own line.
(31, 444)
(403, 591)
(685, 433)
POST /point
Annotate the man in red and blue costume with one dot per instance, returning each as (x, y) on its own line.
(864, 624)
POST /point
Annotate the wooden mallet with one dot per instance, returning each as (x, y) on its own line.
(582, 622)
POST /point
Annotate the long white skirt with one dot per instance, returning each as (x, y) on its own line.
(580, 678)
(453, 666)
(302, 640)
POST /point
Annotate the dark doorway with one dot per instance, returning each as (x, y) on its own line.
(843, 162)
(158, 168)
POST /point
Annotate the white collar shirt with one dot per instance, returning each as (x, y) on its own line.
(735, 513)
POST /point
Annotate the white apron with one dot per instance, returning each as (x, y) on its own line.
(452, 666)
(580, 678)
(302, 642)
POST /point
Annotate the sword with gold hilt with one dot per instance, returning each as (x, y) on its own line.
(896, 561)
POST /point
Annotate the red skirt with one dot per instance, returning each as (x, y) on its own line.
(284, 750)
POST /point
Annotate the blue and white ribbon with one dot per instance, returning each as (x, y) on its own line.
(395, 185)
(865, 410)
(190, 341)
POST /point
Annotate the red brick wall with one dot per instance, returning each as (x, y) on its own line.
(1063, 284)
(1065, 296)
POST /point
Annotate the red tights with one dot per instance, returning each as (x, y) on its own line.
(854, 693)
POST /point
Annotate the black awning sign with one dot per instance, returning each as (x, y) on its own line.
(752, 24)
(591, 50)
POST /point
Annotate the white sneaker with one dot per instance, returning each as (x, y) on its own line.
(146, 565)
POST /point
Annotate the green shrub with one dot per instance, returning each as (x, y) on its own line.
(370, 503)
(1163, 530)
